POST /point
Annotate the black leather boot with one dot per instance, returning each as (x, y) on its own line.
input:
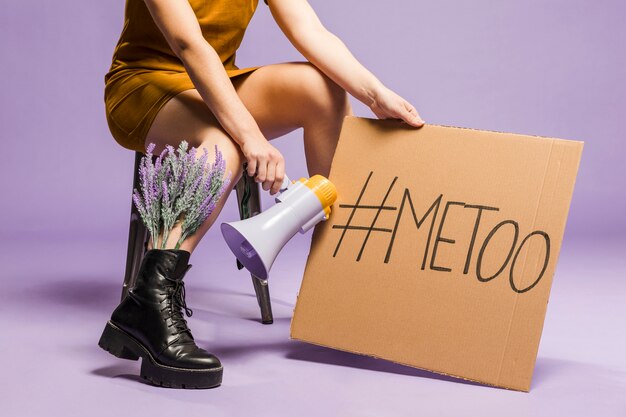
(149, 324)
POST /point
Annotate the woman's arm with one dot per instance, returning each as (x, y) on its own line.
(179, 25)
(327, 52)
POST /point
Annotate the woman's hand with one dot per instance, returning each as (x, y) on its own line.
(388, 105)
(265, 163)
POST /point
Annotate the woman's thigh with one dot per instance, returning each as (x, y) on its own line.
(280, 97)
(283, 97)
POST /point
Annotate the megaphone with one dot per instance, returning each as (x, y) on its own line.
(300, 205)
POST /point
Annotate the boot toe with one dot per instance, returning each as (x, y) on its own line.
(189, 356)
(205, 360)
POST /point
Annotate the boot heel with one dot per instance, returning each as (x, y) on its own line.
(117, 343)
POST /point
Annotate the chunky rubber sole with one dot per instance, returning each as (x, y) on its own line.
(122, 345)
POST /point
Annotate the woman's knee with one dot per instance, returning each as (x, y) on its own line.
(230, 150)
(322, 93)
(186, 117)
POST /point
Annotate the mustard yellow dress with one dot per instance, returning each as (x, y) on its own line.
(145, 73)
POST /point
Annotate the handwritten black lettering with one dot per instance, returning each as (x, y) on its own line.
(545, 261)
(473, 239)
(484, 246)
(432, 214)
(434, 208)
(443, 239)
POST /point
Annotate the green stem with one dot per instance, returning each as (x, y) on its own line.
(165, 236)
(180, 241)
(154, 244)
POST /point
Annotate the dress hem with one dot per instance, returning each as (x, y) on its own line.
(135, 139)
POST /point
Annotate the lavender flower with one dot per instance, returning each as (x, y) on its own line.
(178, 189)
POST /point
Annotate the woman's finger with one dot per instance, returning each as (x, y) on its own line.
(262, 170)
(380, 114)
(411, 116)
(269, 177)
(251, 170)
(279, 177)
(413, 120)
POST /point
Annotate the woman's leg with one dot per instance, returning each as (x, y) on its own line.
(284, 97)
(281, 98)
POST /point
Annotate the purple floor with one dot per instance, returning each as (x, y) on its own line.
(57, 296)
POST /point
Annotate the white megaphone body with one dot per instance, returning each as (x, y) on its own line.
(300, 205)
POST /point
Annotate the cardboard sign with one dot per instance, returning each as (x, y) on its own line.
(440, 249)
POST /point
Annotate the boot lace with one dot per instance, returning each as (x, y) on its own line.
(175, 296)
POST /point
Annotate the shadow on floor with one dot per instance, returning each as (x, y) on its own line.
(96, 294)
(120, 371)
(319, 354)
(547, 370)
(295, 350)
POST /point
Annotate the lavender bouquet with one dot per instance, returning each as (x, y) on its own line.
(178, 189)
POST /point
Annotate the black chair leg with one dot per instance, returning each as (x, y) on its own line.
(137, 237)
(262, 290)
(249, 203)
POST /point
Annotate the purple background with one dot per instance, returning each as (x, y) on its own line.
(550, 68)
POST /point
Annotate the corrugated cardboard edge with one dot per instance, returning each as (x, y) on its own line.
(409, 365)
(580, 145)
(558, 181)
(407, 126)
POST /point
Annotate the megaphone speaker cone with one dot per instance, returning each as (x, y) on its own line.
(244, 251)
